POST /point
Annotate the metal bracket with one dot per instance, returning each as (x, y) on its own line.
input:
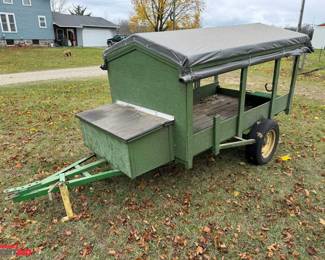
(240, 142)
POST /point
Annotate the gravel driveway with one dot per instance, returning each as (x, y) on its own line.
(25, 77)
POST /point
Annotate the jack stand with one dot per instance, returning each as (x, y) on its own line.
(66, 202)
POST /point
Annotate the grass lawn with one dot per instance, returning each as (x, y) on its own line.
(32, 59)
(222, 207)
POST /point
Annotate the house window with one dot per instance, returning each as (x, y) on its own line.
(42, 21)
(10, 42)
(27, 2)
(8, 22)
(9, 2)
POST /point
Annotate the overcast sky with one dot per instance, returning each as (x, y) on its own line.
(225, 12)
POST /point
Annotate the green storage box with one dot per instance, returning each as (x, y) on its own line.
(134, 140)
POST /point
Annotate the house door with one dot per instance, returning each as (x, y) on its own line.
(60, 36)
(72, 37)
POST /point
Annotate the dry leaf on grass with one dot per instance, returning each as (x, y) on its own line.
(206, 230)
(284, 158)
(311, 250)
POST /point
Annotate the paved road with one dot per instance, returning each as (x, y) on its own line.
(25, 77)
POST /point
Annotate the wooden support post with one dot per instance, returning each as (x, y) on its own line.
(66, 202)
(242, 96)
(292, 84)
(216, 141)
(275, 81)
(189, 124)
(216, 81)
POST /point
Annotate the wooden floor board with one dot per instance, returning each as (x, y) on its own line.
(204, 112)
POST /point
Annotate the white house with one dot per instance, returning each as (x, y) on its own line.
(319, 37)
(86, 31)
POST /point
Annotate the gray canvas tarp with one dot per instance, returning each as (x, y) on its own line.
(244, 45)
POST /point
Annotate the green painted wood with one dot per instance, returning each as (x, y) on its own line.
(203, 92)
(135, 157)
(217, 134)
(153, 84)
(204, 140)
(151, 151)
(293, 83)
(189, 127)
(242, 98)
(275, 81)
(114, 150)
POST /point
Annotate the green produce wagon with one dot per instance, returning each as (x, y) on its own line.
(162, 112)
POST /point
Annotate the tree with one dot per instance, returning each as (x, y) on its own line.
(157, 15)
(79, 10)
(124, 27)
(58, 5)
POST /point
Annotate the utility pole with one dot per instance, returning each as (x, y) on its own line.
(174, 15)
(302, 9)
(301, 15)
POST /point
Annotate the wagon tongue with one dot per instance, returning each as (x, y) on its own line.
(62, 181)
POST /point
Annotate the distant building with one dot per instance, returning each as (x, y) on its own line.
(26, 22)
(31, 22)
(319, 37)
(86, 31)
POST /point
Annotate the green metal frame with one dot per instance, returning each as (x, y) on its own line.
(65, 176)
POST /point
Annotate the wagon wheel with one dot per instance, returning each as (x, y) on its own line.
(266, 133)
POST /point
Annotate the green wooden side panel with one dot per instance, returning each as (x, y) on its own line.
(145, 81)
(112, 149)
(151, 151)
(203, 140)
(204, 91)
(133, 158)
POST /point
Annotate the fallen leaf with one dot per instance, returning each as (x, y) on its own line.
(67, 232)
(180, 241)
(322, 221)
(19, 165)
(285, 158)
(271, 249)
(236, 193)
(207, 230)
(311, 250)
(245, 256)
(87, 250)
(199, 250)
(111, 252)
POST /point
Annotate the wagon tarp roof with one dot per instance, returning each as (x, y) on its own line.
(244, 44)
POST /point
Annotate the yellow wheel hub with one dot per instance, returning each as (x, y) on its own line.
(269, 142)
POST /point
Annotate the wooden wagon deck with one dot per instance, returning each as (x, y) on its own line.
(218, 104)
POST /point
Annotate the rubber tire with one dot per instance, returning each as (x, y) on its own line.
(258, 131)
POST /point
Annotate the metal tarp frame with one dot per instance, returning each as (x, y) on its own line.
(204, 73)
